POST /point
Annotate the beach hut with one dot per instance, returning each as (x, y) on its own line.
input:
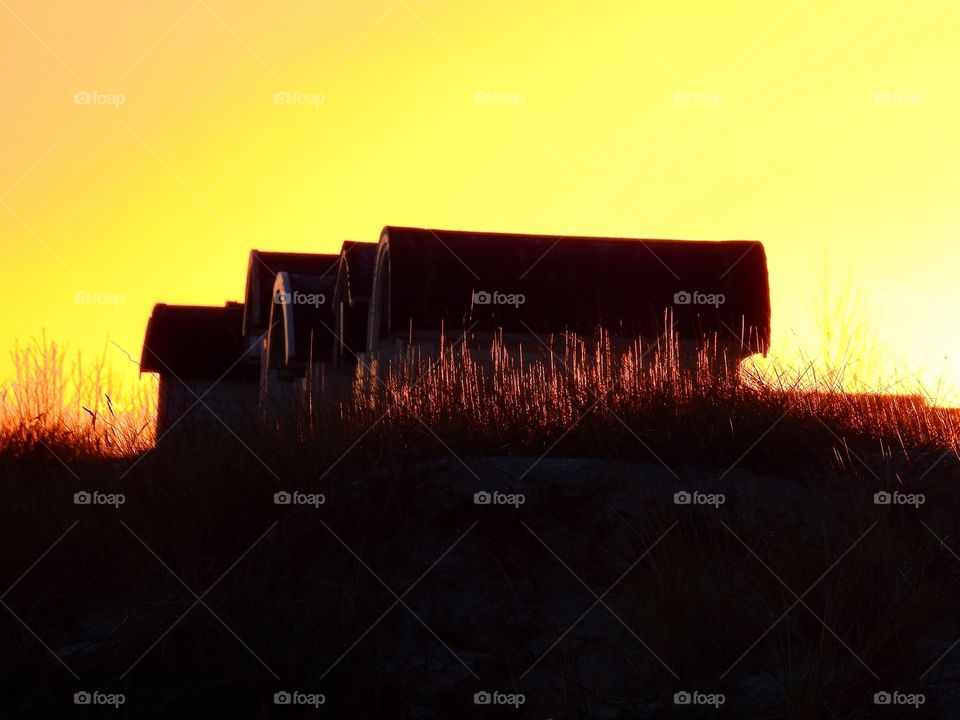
(198, 353)
(351, 298)
(300, 344)
(262, 269)
(435, 284)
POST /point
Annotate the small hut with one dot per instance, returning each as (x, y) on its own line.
(301, 341)
(433, 284)
(198, 354)
(262, 269)
(351, 298)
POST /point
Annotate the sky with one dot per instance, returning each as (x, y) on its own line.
(147, 147)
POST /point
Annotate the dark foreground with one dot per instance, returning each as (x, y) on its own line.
(585, 587)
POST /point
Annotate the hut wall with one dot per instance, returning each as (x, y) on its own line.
(180, 414)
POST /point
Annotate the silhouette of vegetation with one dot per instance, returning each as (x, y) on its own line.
(390, 457)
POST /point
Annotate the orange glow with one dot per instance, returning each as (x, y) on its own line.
(827, 130)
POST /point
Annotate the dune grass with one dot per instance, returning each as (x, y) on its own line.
(64, 401)
(299, 599)
(490, 397)
(591, 391)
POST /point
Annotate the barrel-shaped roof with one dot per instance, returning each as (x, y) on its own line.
(262, 270)
(427, 278)
(195, 342)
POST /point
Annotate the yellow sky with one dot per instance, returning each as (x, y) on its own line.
(827, 130)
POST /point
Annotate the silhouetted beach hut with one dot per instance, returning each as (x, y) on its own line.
(531, 286)
(262, 269)
(301, 340)
(351, 298)
(198, 353)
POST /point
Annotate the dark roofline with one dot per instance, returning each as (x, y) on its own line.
(301, 332)
(262, 269)
(570, 282)
(355, 271)
(195, 342)
(493, 236)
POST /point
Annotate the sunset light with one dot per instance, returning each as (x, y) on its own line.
(584, 359)
(145, 155)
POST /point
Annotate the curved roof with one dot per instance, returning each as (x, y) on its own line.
(425, 278)
(355, 272)
(351, 297)
(195, 342)
(262, 270)
(301, 321)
